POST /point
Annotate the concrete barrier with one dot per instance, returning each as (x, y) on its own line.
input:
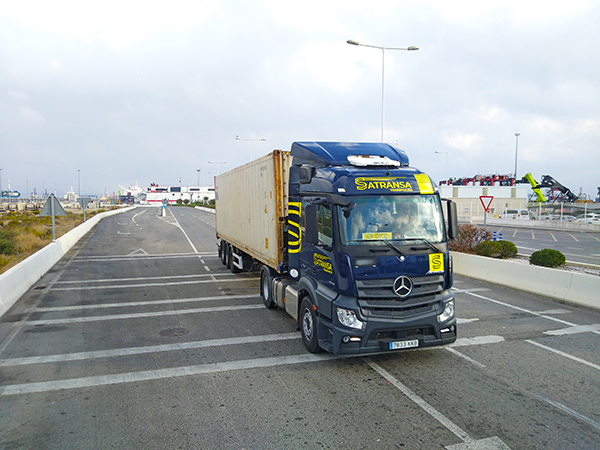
(18, 279)
(565, 286)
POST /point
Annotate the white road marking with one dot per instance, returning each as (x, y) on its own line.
(128, 286)
(169, 277)
(446, 422)
(573, 330)
(184, 233)
(566, 355)
(138, 252)
(141, 315)
(131, 377)
(555, 311)
(145, 303)
(518, 308)
(569, 411)
(461, 321)
(479, 340)
(465, 357)
(142, 350)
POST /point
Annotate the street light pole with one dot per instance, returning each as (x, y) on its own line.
(78, 184)
(198, 170)
(237, 138)
(217, 163)
(516, 151)
(383, 49)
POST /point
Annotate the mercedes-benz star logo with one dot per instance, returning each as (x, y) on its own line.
(403, 286)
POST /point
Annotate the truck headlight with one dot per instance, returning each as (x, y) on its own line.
(448, 312)
(348, 318)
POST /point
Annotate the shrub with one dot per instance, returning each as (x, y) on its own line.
(8, 246)
(468, 238)
(496, 249)
(547, 258)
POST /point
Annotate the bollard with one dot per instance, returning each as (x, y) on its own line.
(500, 236)
(494, 235)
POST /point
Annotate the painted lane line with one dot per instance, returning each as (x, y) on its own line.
(446, 422)
(168, 277)
(555, 311)
(184, 233)
(566, 355)
(78, 356)
(555, 240)
(573, 330)
(465, 357)
(569, 411)
(128, 286)
(576, 240)
(142, 258)
(534, 313)
(479, 340)
(141, 315)
(132, 377)
(144, 303)
(463, 321)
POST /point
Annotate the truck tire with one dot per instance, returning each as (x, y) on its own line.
(227, 256)
(308, 326)
(266, 284)
(222, 252)
(232, 266)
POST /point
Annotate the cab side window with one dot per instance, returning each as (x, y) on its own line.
(325, 227)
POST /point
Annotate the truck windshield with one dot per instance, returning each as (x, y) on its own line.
(392, 218)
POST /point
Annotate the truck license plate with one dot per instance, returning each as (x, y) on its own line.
(404, 344)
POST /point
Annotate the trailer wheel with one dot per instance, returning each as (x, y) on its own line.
(232, 266)
(266, 293)
(308, 326)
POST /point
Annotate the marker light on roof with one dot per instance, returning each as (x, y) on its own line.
(371, 160)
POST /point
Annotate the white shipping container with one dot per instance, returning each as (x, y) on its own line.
(250, 200)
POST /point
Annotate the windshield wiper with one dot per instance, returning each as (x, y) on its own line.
(389, 244)
(431, 246)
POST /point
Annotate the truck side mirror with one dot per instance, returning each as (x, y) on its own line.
(306, 173)
(452, 220)
(312, 226)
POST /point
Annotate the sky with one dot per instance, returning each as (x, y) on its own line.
(94, 94)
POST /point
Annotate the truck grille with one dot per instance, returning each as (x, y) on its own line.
(377, 298)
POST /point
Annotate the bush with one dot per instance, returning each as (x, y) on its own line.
(468, 238)
(8, 246)
(496, 249)
(547, 258)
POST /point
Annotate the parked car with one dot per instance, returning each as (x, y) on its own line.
(589, 218)
(520, 214)
(565, 218)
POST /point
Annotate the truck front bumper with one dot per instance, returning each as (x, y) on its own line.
(391, 334)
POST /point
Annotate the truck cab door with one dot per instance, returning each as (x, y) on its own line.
(317, 256)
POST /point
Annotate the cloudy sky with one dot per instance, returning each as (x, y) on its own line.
(150, 91)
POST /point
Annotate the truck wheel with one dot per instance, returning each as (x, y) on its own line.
(222, 252)
(228, 256)
(308, 326)
(265, 289)
(232, 266)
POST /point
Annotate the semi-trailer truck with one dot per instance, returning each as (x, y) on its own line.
(350, 241)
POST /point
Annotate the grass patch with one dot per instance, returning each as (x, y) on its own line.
(22, 233)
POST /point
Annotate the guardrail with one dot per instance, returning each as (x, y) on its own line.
(18, 279)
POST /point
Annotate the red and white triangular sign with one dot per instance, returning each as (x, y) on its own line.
(486, 201)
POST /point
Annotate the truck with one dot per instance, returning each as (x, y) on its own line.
(349, 239)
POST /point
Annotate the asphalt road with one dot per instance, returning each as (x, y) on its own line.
(140, 339)
(577, 246)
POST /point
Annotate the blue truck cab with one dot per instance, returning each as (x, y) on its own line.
(371, 267)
